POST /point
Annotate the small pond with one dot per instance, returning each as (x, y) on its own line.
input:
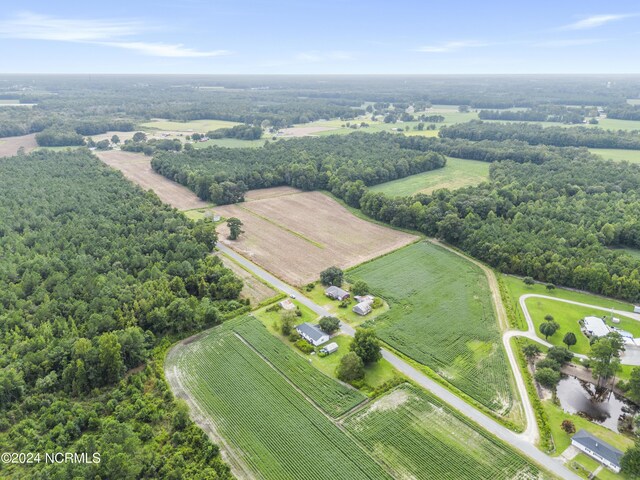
(579, 397)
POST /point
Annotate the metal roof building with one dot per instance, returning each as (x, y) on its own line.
(594, 447)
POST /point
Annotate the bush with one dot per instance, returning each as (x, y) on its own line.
(304, 346)
(310, 286)
(294, 336)
(377, 303)
(548, 363)
(344, 304)
(568, 426)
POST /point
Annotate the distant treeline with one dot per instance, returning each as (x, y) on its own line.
(627, 112)
(343, 164)
(241, 132)
(535, 134)
(542, 113)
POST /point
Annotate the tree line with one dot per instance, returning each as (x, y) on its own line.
(344, 164)
(535, 134)
(94, 274)
(540, 113)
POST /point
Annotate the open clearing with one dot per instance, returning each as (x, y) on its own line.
(200, 126)
(631, 156)
(457, 173)
(10, 145)
(253, 289)
(274, 430)
(297, 235)
(137, 168)
(412, 431)
(441, 316)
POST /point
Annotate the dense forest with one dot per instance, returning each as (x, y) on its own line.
(625, 112)
(344, 164)
(535, 134)
(542, 113)
(94, 274)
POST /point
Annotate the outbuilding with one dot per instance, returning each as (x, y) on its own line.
(312, 334)
(595, 327)
(329, 348)
(362, 308)
(601, 451)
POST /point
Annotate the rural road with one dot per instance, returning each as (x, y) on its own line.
(631, 355)
(521, 442)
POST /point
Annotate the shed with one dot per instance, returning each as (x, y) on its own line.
(601, 451)
(362, 308)
(287, 305)
(364, 298)
(329, 348)
(312, 334)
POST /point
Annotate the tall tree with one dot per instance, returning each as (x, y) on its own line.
(605, 357)
(366, 345)
(235, 229)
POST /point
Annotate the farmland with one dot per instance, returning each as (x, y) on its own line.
(442, 317)
(456, 173)
(200, 126)
(318, 232)
(253, 288)
(412, 431)
(10, 145)
(136, 167)
(271, 427)
(631, 156)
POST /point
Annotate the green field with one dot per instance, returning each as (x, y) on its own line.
(274, 430)
(631, 156)
(441, 316)
(200, 126)
(334, 398)
(456, 174)
(410, 430)
(230, 143)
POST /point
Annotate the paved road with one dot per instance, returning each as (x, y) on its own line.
(520, 442)
(631, 355)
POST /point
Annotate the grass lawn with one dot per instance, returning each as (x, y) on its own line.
(562, 440)
(456, 173)
(567, 316)
(516, 288)
(200, 126)
(345, 314)
(634, 252)
(631, 156)
(197, 213)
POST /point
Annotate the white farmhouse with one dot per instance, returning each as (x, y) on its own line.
(597, 449)
(312, 334)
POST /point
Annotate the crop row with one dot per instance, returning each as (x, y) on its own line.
(441, 316)
(333, 397)
(422, 438)
(277, 433)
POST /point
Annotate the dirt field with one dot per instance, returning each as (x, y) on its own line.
(10, 145)
(253, 289)
(297, 235)
(136, 167)
(303, 131)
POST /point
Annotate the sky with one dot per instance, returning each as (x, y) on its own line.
(327, 37)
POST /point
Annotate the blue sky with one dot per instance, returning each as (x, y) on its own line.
(331, 36)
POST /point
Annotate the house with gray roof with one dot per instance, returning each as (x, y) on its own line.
(336, 293)
(597, 449)
(312, 334)
(362, 308)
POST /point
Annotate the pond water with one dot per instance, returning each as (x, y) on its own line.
(579, 397)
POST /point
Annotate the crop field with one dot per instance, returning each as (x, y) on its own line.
(10, 145)
(457, 173)
(421, 438)
(297, 235)
(631, 156)
(136, 167)
(252, 288)
(273, 430)
(441, 316)
(200, 126)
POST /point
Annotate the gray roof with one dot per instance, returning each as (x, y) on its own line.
(596, 445)
(310, 331)
(337, 291)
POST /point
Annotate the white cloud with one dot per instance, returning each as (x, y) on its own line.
(165, 49)
(112, 33)
(595, 21)
(445, 47)
(572, 42)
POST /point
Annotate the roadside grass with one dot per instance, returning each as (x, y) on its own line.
(631, 156)
(456, 173)
(441, 316)
(195, 126)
